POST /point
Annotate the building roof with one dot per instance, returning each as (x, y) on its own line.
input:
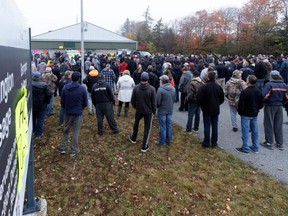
(92, 33)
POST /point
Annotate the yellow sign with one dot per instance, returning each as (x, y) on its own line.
(21, 121)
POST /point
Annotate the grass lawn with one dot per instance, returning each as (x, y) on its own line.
(111, 177)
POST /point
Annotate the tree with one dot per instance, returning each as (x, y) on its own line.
(126, 28)
(157, 34)
(169, 40)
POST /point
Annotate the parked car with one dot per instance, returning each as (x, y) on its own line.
(142, 53)
(123, 52)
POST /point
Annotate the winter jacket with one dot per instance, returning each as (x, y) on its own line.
(221, 71)
(233, 89)
(165, 99)
(210, 96)
(144, 98)
(177, 74)
(136, 77)
(41, 95)
(260, 70)
(250, 102)
(153, 80)
(74, 98)
(193, 89)
(63, 68)
(125, 86)
(51, 80)
(246, 72)
(62, 83)
(101, 92)
(275, 93)
(184, 80)
(91, 79)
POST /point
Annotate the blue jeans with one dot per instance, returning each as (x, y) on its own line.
(50, 106)
(38, 122)
(260, 84)
(233, 115)
(210, 121)
(246, 124)
(165, 128)
(193, 109)
(91, 108)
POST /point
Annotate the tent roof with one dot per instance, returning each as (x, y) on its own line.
(92, 33)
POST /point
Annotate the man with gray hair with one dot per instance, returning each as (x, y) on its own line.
(165, 99)
(275, 94)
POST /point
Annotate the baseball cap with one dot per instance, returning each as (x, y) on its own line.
(144, 76)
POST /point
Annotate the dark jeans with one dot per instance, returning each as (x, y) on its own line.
(193, 109)
(105, 109)
(176, 93)
(38, 122)
(183, 104)
(126, 104)
(148, 119)
(210, 121)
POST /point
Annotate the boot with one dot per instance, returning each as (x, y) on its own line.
(126, 111)
(119, 111)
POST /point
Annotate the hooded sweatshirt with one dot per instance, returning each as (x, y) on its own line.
(74, 98)
(102, 93)
(144, 98)
(165, 99)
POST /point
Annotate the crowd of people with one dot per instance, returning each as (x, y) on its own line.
(153, 84)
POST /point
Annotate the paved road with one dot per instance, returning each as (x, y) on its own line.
(273, 162)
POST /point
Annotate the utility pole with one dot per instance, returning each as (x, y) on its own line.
(82, 43)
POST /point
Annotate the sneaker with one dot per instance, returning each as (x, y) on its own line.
(73, 153)
(241, 151)
(62, 151)
(280, 147)
(145, 150)
(267, 145)
(251, 148)
(132, 141)
(187, 132)
(116, 132)
(234, 129)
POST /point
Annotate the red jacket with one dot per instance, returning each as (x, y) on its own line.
(123, 66)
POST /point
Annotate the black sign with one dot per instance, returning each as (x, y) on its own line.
(14, 75)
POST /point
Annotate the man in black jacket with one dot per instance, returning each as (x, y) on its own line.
(250, 102)
(260, 72)
(210, 96)
(41, 97)
(144, 101)
(103, 100)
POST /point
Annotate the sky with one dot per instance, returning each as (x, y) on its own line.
(43, 16)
